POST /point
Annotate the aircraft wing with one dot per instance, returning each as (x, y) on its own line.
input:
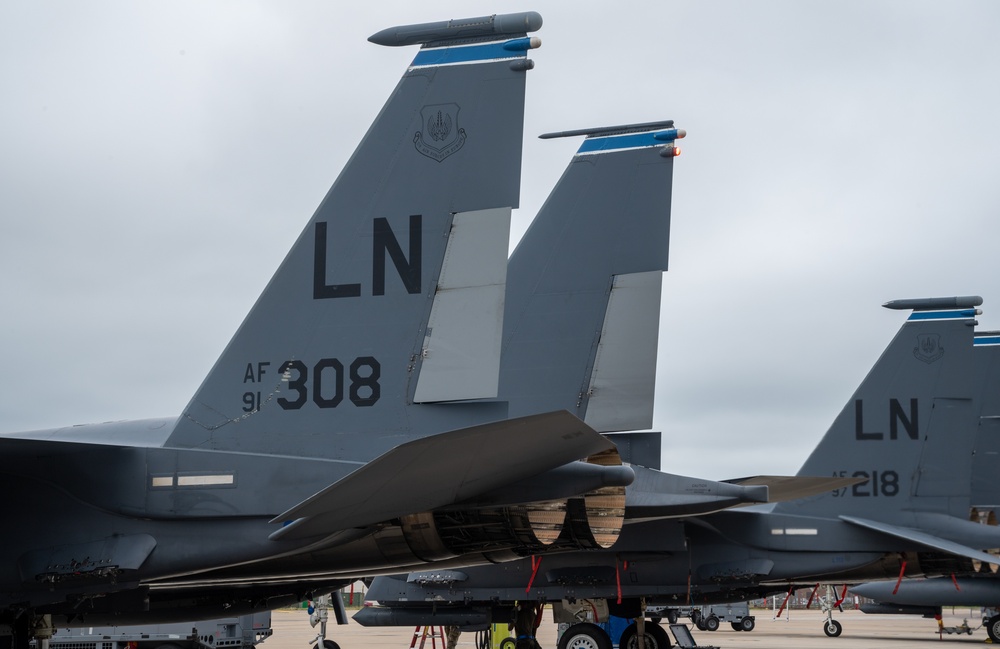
(448, 468)
(782, 488)
(929, 540)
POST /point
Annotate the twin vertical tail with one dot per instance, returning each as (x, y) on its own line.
(583, 286)
(909, 429)
(338, 350)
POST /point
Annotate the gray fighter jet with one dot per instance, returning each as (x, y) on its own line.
(908, 434)
(588, 325)
(344, 416)
(919, 596)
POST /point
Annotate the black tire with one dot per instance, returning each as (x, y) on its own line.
(748, 623)
(993, 628)
(696, 616)
(585, 636)
(508, 643)
(327, 644)
(711, 623)
(701, 625)
(656, 637)
(736, 626)
(656, 619)
(672, 616)
(832, 628)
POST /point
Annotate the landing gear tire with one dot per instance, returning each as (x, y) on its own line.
(832, 628)
(656, 637)
(711, 623)
(672, 616)
(585, 636)
(747, 624)
(993, 628)
(327, 644)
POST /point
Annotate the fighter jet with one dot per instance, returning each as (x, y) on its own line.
(580, 333)
(907, 434)
(345, 414)
(920, 596)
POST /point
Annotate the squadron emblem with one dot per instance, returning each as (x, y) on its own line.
(442, 136)
(928, 348)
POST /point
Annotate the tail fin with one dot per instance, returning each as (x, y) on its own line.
(583, 286)
(335, 345)
(909, 428)
(985, 490)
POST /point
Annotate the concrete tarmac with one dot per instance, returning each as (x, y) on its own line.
(801, 630)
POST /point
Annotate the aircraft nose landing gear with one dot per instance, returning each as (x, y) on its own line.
(832, 628)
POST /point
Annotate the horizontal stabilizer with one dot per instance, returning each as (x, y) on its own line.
(441, 470)
(655, 494)
(934, 542)
(783, 488)
(565, 481)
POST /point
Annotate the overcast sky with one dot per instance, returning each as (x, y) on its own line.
(157, 159)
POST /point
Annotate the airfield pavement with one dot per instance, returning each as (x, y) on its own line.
(802, 629)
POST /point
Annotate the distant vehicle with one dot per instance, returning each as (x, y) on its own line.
(708, 618)
(243, 632)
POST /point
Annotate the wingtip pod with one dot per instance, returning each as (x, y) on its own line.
(449, 30)
(932, 303)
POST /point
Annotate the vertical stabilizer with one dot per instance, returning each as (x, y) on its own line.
(909, 429)
(583, 286)
(326, 361)
(986, 461)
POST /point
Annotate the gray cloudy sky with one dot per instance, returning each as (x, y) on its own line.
(157, 159)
